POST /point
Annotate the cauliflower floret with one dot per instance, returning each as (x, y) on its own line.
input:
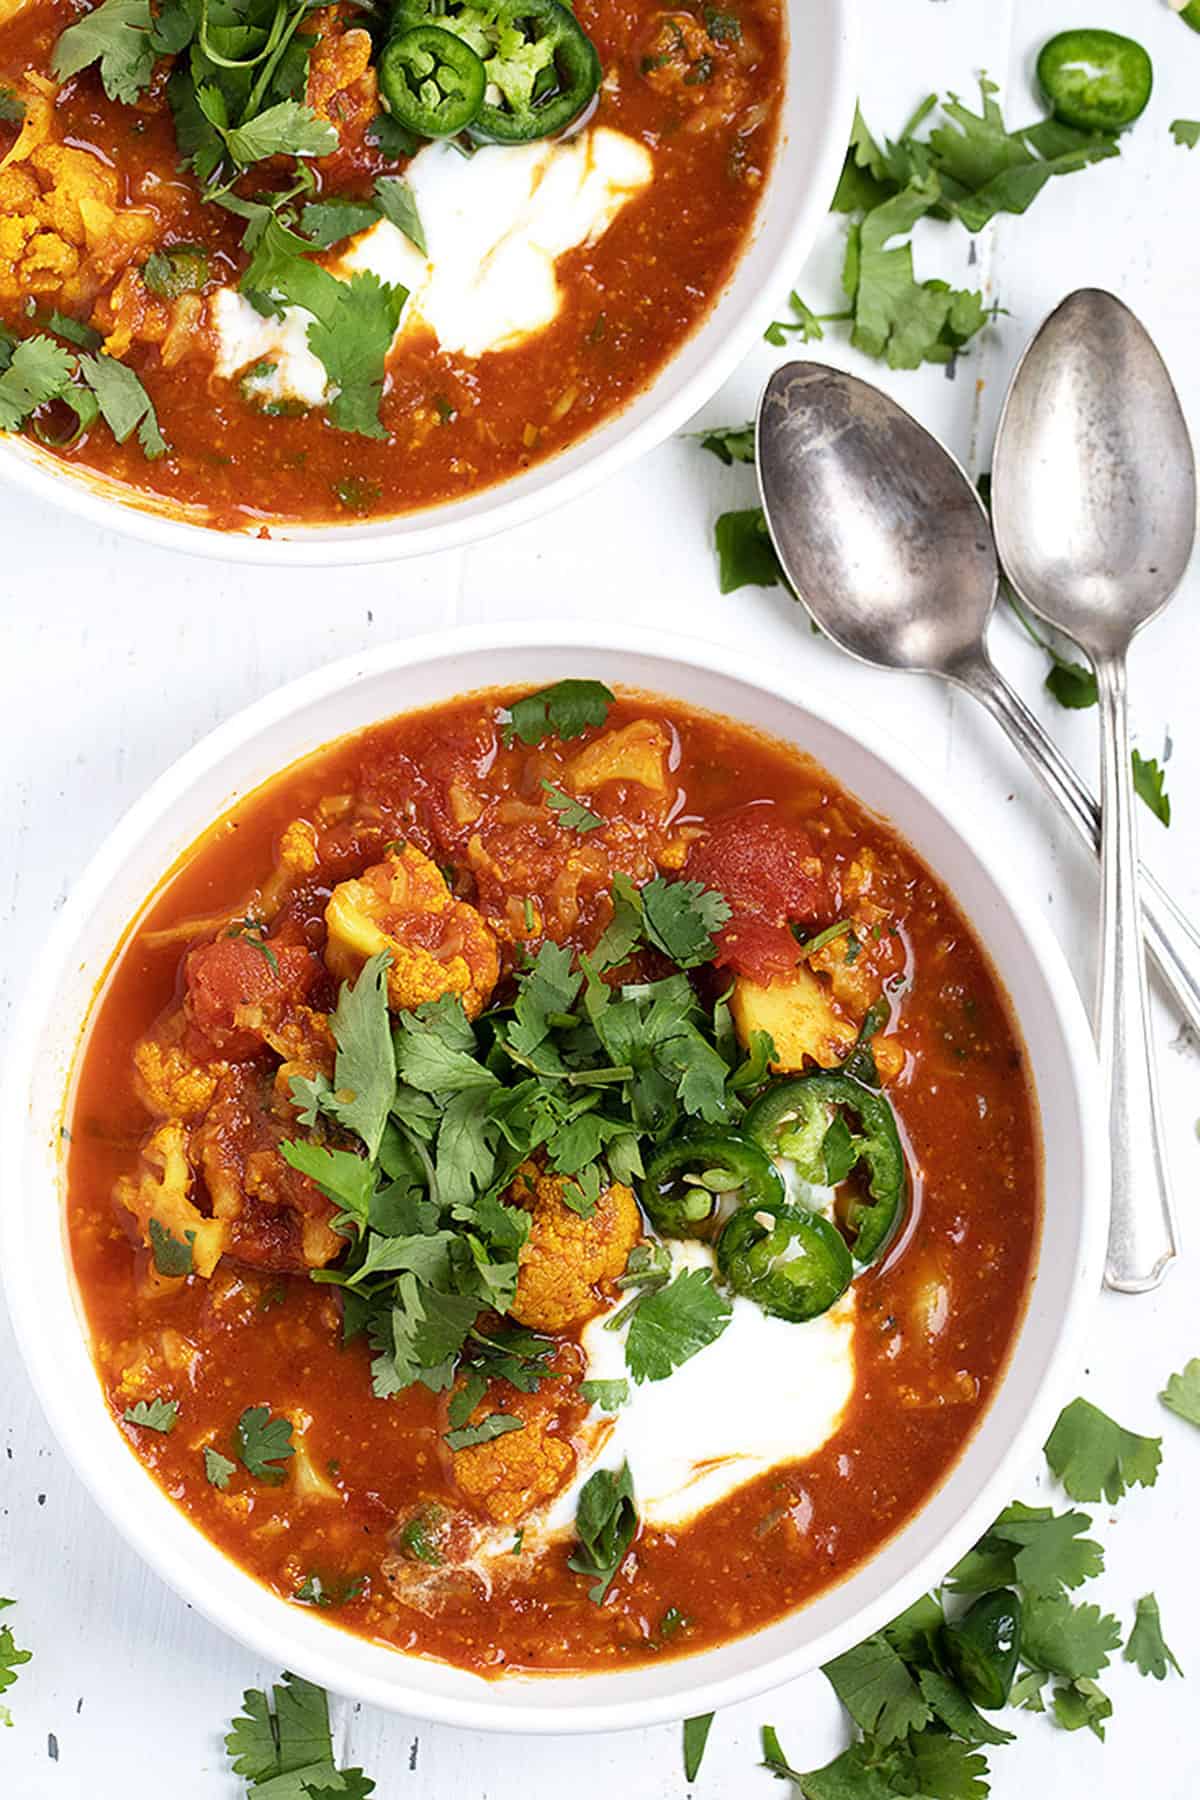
(341, 82)
(439, 945)
(799, 1015)
(510, 1476)
(63, 230)
(162, 1192)
(637, 753)
(567, 1257)
(170, 1083)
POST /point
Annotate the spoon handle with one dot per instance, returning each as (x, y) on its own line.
(1141, 1231)
(1170, 938)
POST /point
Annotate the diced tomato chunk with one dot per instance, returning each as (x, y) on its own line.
(236, 973)
(769, 872)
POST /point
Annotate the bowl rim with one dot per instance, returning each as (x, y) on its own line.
(33, 469)
(271, 1641)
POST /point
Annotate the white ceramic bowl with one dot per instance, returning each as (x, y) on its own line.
(815, 128)
(258, 743)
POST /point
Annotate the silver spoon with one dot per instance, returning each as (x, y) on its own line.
(1094, 503)
(884, 538)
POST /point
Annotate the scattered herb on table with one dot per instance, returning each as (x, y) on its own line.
(1148, 780)
(11, 1659)
(1186, 133)
(281, 1746)
(695, 1741)
(1182, 1392)
(1001, 1631)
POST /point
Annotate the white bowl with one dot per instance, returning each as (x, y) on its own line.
(814, 130)
(258, 743)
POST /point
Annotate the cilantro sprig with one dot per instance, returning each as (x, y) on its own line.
(606, 1523)
(281, 1745)
(12, 1658)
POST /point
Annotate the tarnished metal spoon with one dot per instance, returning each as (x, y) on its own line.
(884, 538)
(1094, 506)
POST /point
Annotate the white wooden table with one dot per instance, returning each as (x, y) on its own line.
(115, 658)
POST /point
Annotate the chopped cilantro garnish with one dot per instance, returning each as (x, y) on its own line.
(172, 1255)
(497, 1424)
(605, 1524)
(728, 443)
(39, 370)
(315, 1592)
(745, 554)
(674, 1323)
(1148, 779)
(12, 110)
(609, 1396)
(1146, 1645)
(11, 1659)
(282, 1744)
(1095, 1458)
(156, 1415)
(570, 813)
(695, 1740)
(217, 1468)
(124, 402)
(1186, 133)
(1182, 1392)
(565, 711)
(119, 35)
(264, 1443)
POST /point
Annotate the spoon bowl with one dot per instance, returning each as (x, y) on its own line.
(879, 529)
(1096, 497)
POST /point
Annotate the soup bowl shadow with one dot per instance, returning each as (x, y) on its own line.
(356, 692)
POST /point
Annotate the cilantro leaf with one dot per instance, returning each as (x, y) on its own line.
(392, 138)
(565, 710)
(398, 205)
(895, 317)
(681, 918)
(172, 1255)
(948, 1703)
(1081, 1703)
(745, 554)
(287, 129)
(365, 1072)
(327, 222)
(263, 1443)
(1071, 684)
(804, 322)
(1095, 1458)
(12, 110)
(730, 443)
(877, 1690)
(942, 1768)
(605, 1523)
(1146, 1645)
(1148, 781)
(1068, 1640)
(1186, 133)
(570, 813)
(674, 1324)
(1042, 1550)
(117, 34)
(1182, 1392)
(217, 1468)
(287, 1752)
(40, 370)
(124, 402)
(11, 1659)
(340, 1174)
(157, 1414)
(497, 1424)
(352, 339)
(695, 1739)
(609, 1396)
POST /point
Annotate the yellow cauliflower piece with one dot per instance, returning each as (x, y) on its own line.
(566, 1258)
(169, 1083)
(509, 1477)
(637, 752)
(439, 945)
(36, 95)
(799, 1015)
(161, 1191)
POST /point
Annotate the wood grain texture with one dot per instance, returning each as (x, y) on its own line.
(116, 658)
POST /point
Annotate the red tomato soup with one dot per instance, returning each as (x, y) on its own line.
(553, 1181)
(494, 300)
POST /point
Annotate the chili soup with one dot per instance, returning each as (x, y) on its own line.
(553, 1181)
